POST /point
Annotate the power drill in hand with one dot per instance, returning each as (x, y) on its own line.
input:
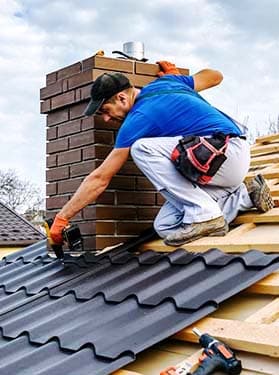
(216, 356)
(72, 237)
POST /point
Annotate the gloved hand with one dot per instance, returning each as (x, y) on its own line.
(167, 68)
(57, 227)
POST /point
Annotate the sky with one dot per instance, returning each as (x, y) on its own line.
(238, 37)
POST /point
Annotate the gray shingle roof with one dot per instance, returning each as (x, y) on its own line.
(15, 230)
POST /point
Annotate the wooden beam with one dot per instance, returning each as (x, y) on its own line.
(249, 337)
(265, 149)
(269, 314)
(271, 216)
(267, 138)
(268, 285)
(265, 159)
(264, 237)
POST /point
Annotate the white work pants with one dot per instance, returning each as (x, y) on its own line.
(187, 202)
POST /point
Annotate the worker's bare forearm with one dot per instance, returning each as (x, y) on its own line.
(94, 184)
(88, 192)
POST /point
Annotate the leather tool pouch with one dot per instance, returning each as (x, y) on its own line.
(199, 158)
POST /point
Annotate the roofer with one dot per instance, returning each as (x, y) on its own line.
(200, 176)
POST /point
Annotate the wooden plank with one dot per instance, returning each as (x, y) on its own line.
(249, 337)
(267, 315)
(267, 138)
(268, 172)
(261, 237)
(268, 285)
(265, 149)
(271, 216)
(262, 160)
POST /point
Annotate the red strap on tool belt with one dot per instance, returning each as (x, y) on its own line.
(199, 158)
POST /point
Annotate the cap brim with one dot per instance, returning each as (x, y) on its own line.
(93, 107)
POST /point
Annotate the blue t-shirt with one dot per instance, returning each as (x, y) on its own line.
(176, 109)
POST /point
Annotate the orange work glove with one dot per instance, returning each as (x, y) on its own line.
(167, 68)
(57, 227)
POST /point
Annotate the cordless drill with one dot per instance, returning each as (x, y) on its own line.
(71, 235)
(216, 356)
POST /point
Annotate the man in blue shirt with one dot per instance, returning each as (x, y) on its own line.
(154, 119)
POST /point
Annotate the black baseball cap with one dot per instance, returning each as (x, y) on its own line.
(104, 88)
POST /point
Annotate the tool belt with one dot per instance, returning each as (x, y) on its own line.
(199, 158)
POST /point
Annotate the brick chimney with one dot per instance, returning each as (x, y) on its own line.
(77, 144)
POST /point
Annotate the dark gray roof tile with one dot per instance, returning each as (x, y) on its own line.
(114, 305)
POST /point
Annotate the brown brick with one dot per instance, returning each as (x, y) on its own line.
(69, 157)
(57, 145)
(87, 228)
(147, 69)
(123, 182)
(130, 168)
(57, 117)
(101, 124)
(160, 200)
(105, 227)
(68, 128)
(136, 79)
(63, 100)
(51, 189)
(51, 90)
(69, 70)
(51, 78)
(65, 85)
(55, 174)
(153, 69)
(51, 133)
(69, 186)
(85, 92)
(89, 212)
(132, 227)
(140, 80)
(80, 79)
(96, 151)
(56, 202)
(77, 110)
(51, 161)
(89, 243)
(45, 106)
(88, 123)
(136, 198)
(115, 213)
(105, 137)
(82, 139)
(82, 169)
(87, 63)
(145, 213)
(107, 197)
(143, 184)
(119, 65)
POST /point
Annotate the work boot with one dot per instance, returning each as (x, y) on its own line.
(190, 232)
(259, 193)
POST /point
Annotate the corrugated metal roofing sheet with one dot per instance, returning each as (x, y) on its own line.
(115, 305)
